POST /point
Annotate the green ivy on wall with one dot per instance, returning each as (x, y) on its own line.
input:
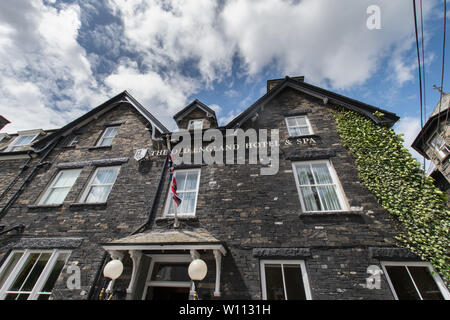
(389, 171)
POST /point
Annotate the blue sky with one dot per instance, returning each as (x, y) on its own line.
(63, 58)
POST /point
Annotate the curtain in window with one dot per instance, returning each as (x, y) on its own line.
(317, 187)
(61, 186)
(101, 185)
(108, 136)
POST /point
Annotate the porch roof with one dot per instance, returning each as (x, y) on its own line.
(199, 239)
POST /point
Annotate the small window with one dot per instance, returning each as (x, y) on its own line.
(195, 124)
(298, 126)
(284, 280)
(31, 274)
(414, 281)
(439, 145)
(188, 183)
(73, 142)
(108, 136)
(60, 187)
(20, 142)
(100, 185)
(318, 186)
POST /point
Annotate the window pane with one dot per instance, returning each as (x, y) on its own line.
(43, 297)
(321, 173)
(294, 282)
(401, 281)
(329, 197)
(105, 176)
(291, 122)
(28, 265)
(311, 198)
(274, 282)
(304, 174)
(191, 181)
(56, 195)
(425, 283)
(303, 131)
(67, 178)
(170, 272)
(106, 142)
(111, 132)
(49, 284)
(98, 194)
(9, 267)
(36, 272)
(23, 140)
(188, 202)
(181, 177)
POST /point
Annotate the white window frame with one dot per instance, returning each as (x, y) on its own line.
(439, 150)
(308, 125)
(87, 189)
(99, 143)
(13, 145)
(38, 286)
(51, 186)
(281, 263)
(440, 284)
(74, 141)
(168, 258)
(193, 121)
(339, 190)
(169, 195)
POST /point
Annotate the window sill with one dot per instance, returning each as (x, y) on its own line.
(44, 206)
(172, 218)
(314, 136)
(99, 147)
(324, 217)
(98, 205)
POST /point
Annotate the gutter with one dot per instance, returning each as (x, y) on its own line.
(29, 177)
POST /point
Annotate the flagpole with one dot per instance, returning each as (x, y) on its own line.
(175, 205)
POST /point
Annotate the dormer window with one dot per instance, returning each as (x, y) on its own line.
(108, 136)
(196, 124)
(298, 126)
(20, 142)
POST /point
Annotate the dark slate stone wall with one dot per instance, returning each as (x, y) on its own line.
(126, 208)
(252, 213)
(256, 217)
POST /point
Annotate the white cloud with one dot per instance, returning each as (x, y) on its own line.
(45, 76)
(162, 97)
(323, 40)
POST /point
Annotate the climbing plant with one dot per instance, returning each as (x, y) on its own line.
(389, 171)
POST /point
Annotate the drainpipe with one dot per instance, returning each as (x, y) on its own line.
(152, 208)
(22, 169)
(41, 163)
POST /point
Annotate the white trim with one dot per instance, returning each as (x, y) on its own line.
(339, 190)
(281, 263)
(100, 141)
(193, 121)
(123, 247)
(440, 284)
(308, 125)
(168, 258)
(51, 186)
(45, 273)
(89, 184)
(12, 144)
(169, 199)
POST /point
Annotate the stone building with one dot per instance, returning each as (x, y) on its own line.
(433, 142)
(98, 189)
